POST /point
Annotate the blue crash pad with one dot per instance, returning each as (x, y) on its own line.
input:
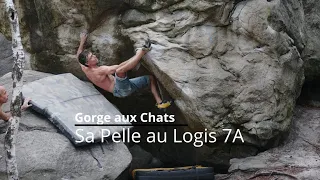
(61, 97)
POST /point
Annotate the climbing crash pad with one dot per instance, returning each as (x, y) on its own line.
(183, 173)
(62, 97)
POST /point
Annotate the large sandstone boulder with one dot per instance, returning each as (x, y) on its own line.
(50, 32)
(44, 153)
(226, 65)
(298, 157)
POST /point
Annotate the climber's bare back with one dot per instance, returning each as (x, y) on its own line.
(98, 77)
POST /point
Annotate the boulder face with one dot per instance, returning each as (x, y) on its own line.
(44, 153)
(297, 158)
(227, 65)
(50, 31)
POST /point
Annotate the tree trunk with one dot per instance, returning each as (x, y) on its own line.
(17, 72)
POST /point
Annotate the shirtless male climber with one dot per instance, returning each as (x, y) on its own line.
(4, 98)
(119, 85)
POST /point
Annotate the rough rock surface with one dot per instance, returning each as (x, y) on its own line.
(227, 63)
(6, 59)
(311, 53)
(50, 31)
(243, 72)
(44, 153)
(298, 156)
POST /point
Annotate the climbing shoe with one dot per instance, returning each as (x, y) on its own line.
(163, 104)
